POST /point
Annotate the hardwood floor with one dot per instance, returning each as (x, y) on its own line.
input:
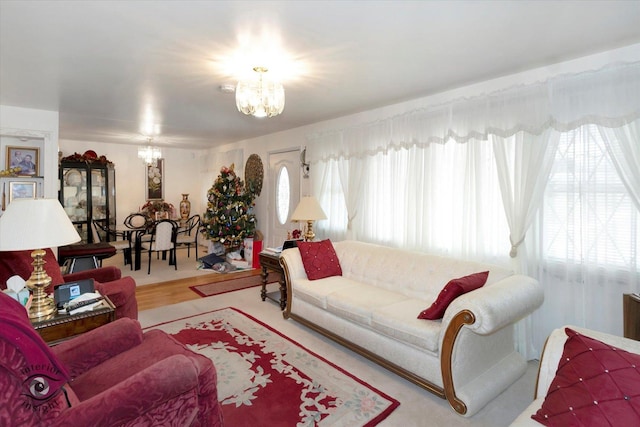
(175, 291)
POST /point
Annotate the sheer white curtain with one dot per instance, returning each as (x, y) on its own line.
(585, 244)
(524, 162)
(623, 145)
(429, 179)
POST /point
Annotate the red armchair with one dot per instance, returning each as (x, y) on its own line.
(108, 280)
(112, 375)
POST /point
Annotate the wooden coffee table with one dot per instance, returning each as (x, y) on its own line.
(64, 326)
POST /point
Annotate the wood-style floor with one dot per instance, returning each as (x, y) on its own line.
(175, 291)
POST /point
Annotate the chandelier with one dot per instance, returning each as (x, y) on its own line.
(149, 154)
(261, 97)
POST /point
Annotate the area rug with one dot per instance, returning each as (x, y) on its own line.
(265, 378)
(228, 285)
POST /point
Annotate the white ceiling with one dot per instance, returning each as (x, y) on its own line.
(102, 64)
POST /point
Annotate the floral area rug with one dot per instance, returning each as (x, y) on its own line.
(265, 378)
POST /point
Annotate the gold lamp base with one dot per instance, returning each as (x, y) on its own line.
(42, 306)
(309, 235)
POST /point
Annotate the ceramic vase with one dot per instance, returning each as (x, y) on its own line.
(185, 207)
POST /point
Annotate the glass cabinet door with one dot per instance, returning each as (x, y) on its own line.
(73, 196)
(74, 193)
(111, 197)
(98, 194)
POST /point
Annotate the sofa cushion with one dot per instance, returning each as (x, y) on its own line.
(451, 291)
(398, 321)
(319, 259)
(595, 384)
(316, 292)
(357, 302)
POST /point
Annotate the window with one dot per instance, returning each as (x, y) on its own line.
(283, 200)
(588, 215)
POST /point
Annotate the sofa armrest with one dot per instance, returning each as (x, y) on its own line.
(122, 293)
(102, 274)
(498, 305)
(169, 379)
(291, 261)
(90, 349)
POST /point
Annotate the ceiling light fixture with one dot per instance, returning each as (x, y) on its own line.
(149, 154)
(260, 97)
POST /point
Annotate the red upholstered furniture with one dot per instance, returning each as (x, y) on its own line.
(99, 250)
(108, 281)
(115, 375)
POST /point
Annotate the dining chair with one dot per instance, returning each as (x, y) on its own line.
(136, 221)
(162, 239)
(189, 234)
(119, 241)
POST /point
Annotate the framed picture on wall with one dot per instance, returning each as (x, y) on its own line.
(155, 181)
(26, 158)
(22, 190)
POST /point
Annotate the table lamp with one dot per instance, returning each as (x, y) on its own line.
(308, 210)
(35, 224)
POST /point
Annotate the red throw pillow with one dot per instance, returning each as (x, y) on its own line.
(596, 384)
(451, 291)
(319, 259)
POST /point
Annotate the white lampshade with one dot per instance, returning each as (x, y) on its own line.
(308, 210)
(30, 224)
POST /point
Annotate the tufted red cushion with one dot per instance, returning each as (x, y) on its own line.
(596, 384)
(319, 259)
(451, 291)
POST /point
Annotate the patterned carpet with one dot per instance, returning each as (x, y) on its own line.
(265, 378)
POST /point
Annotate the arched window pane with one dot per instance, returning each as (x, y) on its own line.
(283, 188)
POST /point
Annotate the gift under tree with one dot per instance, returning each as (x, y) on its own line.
(228, 218)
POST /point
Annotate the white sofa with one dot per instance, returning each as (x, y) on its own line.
(549, 360)
(467, 357)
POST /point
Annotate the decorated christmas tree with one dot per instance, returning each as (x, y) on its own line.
(228, 218)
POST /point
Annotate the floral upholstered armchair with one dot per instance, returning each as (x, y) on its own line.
(114, 375)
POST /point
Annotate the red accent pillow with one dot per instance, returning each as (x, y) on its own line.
(596, 384)
(451, 291)
(319, 259)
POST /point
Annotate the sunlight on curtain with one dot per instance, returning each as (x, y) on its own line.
(586, 239)
(428, 180)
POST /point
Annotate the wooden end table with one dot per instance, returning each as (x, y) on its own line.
(64, 326)
(271, 262)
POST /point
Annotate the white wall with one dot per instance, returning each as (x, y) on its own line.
(32, 128)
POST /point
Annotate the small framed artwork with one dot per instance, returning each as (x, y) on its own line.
(26, 158)
(155, 181)
(22, 190)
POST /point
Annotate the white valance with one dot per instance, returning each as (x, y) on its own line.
(608, 97)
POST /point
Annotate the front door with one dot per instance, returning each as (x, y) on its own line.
(284, 195)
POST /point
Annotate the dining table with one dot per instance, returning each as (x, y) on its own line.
(135, 235)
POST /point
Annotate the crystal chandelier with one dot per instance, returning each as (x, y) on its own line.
(261, 97)
(149, 154)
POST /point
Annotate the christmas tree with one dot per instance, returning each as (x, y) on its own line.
(228, 219)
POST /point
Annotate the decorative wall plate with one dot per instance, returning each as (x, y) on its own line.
(254, 174)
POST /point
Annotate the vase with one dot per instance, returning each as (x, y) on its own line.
(185, 207)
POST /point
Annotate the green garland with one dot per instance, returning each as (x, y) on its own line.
(228, 218)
